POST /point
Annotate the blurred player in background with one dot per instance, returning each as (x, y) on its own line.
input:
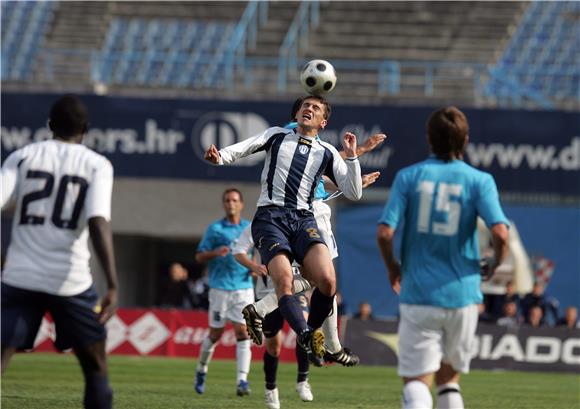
(62, 193)
(231, 288)
(439, 276)
(284, 228)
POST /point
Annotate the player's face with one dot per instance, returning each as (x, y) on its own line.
(233, 205)
(311, 114)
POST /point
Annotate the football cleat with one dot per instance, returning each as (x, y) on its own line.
(272, 400)
(243, 388)
(253, 323)
(305, 391)
(313, 342)
(200, 382)
(345, 357)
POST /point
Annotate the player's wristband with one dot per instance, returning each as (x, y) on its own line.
(352, 159)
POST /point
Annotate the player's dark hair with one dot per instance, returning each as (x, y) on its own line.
(447, 130)
(232, 190)
(322, 100)
(296, 108)
(68, 117)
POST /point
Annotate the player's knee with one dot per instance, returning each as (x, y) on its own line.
(273, 347)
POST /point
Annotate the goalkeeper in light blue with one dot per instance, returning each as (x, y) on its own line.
(436, 204)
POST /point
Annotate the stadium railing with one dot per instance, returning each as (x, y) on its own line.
(306, 17)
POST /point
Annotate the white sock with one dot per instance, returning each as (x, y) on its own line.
(266, 305)
(205, 354)
(330, 330)
(449, 396)
(243, 359)
(416, 395)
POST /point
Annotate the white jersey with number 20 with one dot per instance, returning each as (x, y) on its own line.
(56, 187)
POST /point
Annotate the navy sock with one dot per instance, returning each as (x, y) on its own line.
(303, 364)
(98, 393)
(270, 369)
(292, 312)
(320, 308)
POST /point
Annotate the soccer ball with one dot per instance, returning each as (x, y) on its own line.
(318, 77)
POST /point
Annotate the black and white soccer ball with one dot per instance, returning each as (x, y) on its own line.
(318, 77)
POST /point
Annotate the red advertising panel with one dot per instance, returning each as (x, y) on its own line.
(165, 332)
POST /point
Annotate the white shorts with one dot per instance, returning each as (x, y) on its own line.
(225, 305)
(322, 215)
(431, 335)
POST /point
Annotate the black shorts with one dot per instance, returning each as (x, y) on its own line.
(278, 229)
(75, 320)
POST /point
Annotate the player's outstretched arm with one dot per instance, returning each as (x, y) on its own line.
(346, 173)
(385, 237)
(370, 144)
(102, 238)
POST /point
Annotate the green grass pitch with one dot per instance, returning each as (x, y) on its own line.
(47, 381)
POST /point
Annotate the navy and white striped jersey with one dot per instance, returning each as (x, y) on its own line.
(294, 165)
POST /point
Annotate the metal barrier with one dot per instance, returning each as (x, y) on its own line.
(306, 17)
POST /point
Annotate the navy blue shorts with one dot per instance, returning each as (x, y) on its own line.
(278, 229)
(76, 322)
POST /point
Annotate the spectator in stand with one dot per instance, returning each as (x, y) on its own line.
(365, 312)
(200, 291)
(484, 316)
(570, 320)
(535, 317)
(537, 298)
(495, 304)
(176, 292)
(511, 318)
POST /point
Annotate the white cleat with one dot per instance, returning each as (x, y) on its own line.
(305, 391)
(272, 400)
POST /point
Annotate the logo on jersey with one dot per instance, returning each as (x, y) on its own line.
(226, 128)
(303, 149)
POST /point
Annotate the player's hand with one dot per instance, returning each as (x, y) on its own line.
(487, 267)
(370, 178)
(372, 142)
(212, 155)
(395, 277)
(222, 251)
(261, 270)
(108, 305)
(349, 144)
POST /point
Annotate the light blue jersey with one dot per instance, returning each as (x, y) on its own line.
(439, 203)
(225, 272)
(320, 193)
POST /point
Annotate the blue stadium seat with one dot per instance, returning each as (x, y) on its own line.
(543, 54)
(24, 25)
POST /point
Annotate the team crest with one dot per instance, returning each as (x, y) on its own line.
(303, 149)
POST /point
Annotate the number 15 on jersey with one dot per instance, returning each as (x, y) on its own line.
(445, 196)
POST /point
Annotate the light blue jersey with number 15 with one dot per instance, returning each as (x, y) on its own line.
(439, 203)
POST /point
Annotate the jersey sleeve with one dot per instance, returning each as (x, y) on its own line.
(10, 178)
(239, 150)
(396, 205)
(488, 204)
(207, 241)
(245, 242)
(98, 202)
(346, 175)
